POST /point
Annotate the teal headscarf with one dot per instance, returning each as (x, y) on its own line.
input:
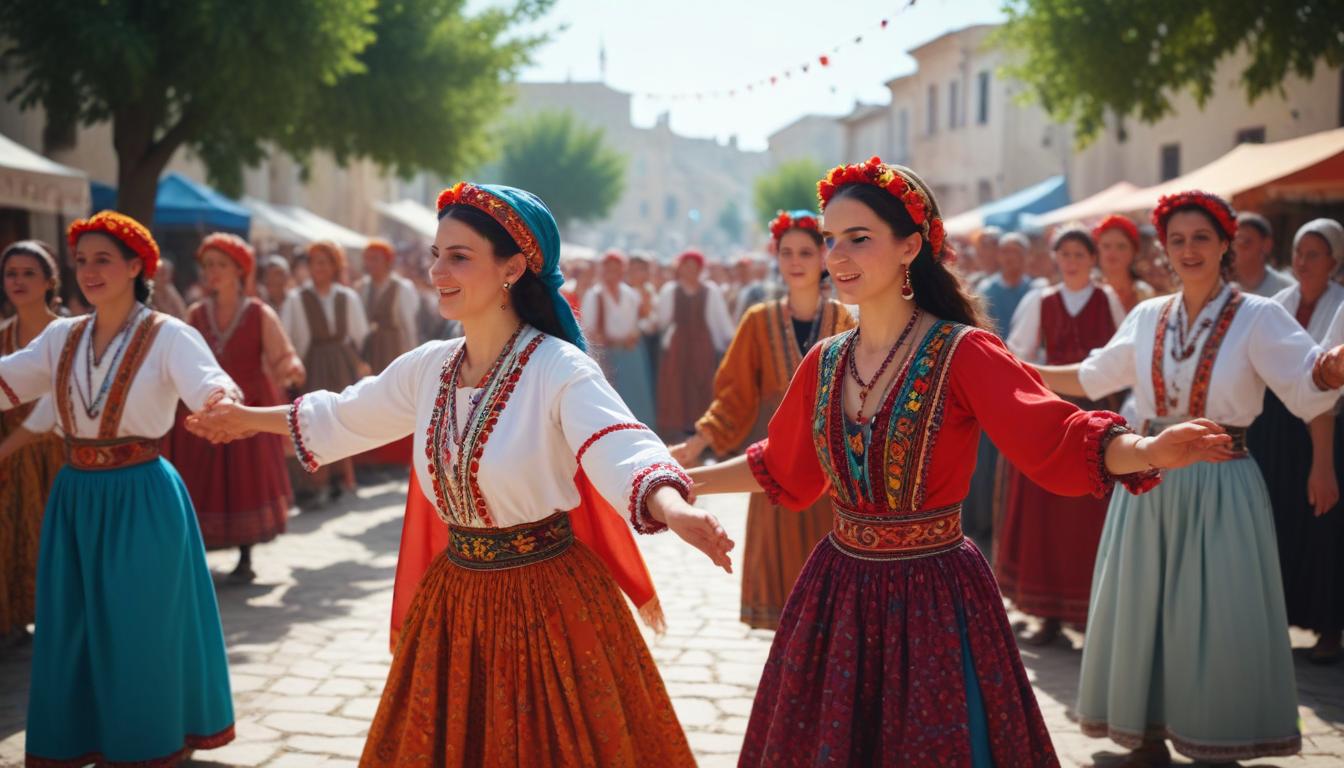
(532, 226)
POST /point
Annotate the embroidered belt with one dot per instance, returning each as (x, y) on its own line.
(492, 549)
(1153, 426)
(98, 455)
(884, 537)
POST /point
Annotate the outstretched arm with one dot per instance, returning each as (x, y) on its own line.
(732, 476)
(1061, 379)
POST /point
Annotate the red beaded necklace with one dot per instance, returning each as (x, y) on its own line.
(865, 387)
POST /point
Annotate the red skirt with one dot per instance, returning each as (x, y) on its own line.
(1047, 548)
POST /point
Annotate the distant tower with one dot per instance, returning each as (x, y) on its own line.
(602, 61)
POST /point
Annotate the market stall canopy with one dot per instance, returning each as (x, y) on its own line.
(31, 182)
(1008, 212)
(1083, 210)
(292, 224)
(412, 215)
(182, 202)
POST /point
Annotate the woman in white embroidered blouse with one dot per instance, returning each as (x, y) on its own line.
(1186, 590)
(128, 658)
(521, 443)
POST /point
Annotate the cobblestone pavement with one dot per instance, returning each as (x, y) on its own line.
(308, 650)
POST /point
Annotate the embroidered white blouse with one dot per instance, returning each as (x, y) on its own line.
(1326, 307)
(295, 320)
(178, 365)
(560, 414)
(1024, 338)
(620, 315)
(1263, 345)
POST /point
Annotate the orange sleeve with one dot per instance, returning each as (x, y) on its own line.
(785, 463)
(737, 388)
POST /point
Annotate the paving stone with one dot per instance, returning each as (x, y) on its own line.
(239, 754)
(293, 686)
(345, 746)
(321, 725)
(695, 712)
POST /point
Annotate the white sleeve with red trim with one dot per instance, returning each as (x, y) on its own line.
(624, 459)
(28, 373)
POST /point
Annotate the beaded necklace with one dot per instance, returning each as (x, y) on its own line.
(91, 360)
(866, 387)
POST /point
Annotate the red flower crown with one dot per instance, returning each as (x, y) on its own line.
(1115, 221)
(889, 178)
(233, 246)
(128, 231)
(379, 245)
(463, 193)
(1216, 207)
(783, 222)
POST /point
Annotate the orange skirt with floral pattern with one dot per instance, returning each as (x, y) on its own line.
(540, 665)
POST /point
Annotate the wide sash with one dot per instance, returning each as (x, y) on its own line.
(884, 537)
(492, 549)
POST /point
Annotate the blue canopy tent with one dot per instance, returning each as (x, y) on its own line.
(181, 202)
(1007, 212)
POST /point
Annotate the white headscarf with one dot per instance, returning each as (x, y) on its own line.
(1329, 230)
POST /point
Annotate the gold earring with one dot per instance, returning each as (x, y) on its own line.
(505, 303)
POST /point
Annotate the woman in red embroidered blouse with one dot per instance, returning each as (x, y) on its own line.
(895, 645)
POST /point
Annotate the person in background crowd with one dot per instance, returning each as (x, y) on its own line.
(166, 297)
(696, 328)
(29, 458)
(275, 282)
(612, 321)
(1047, 543)
(1118, 244)
(1251, 251)
(389, 305)
(987, 244)
(638, 275)
(1302, 461)
(584, 273)
(759, 288)
(1151, 262)
(1040, 265)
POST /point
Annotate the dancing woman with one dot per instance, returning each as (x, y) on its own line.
(518, 648)
(128, 657)
(771, 341)
(1186, 636)
(894, 646)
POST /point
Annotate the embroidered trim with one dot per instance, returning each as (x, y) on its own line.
(463, 193)
(756, 461)
(1199, 385)
(9, 392)
(189, 743)
(98, 455)
(136, 352)
(897, 538)
(305, 457)
(65, 406)
(601, 433)
(1100, 729)
(1102, 428)
(495, 549)
(648, 480)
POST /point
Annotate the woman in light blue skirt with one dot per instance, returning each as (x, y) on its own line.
(1187, 636)
(129, 665)
(611, 313)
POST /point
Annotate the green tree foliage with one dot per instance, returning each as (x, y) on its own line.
(566, 163)
(1087, 59)
(791, 186)
(408, 83)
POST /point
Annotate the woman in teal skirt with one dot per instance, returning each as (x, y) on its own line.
(129, 666)
(1187, 636)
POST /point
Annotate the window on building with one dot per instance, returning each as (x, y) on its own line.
(984, 192)
(982, 98)
(1171, 161)
(644, 209)
(1254, 135)
(932, 110)
(670, 207)
(953, 105)
(902, 135)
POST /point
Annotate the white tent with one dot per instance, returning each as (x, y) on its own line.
(410, 214)
(33, 183)
(292, 224)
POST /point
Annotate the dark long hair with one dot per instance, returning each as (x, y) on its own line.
(1225, 237)
(938, 290)
(43, 253)
(144, 287)
(531, 299)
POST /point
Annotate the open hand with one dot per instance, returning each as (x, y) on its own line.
(696, 527)
(1181, 445)
(1322, 489)
(687, 454)
(219, 422)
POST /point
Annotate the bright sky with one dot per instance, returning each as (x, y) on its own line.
(657, 46)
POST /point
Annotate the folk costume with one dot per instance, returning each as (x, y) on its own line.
(25, 482)
(612, 324)
(894, 645)
(1311, 548)
(391, 310)
(769, 345)
(1047, 543)
(240, 490)
(328, 330)
(1186, 637)
(696, 329)
(518, 648)
(128, 663)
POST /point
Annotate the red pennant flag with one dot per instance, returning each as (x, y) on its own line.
(824, 60)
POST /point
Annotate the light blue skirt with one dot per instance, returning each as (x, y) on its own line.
(128, 657)
(1187, 637)
(632, 379)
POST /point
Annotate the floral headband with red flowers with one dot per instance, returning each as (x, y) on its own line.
(465, 193)
(786, 220)
(233, 246)
(896, 181)
(1115, 221)
(1215, 206)
(128, 231)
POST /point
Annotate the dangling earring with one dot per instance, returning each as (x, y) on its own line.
(505, 303)
(907, 290)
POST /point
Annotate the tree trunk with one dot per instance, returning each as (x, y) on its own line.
(137, 187)
(141, 158)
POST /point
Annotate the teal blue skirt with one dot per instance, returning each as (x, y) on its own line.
(632, 379)
(129, 663)
(1187, 636)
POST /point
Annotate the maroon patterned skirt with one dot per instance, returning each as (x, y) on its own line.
(868, 668)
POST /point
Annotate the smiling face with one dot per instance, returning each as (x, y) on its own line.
(25, 284)
(867, 259)
(1075, 263)
(1312, 262)
(1117, 253)
(1195, 248)
(465, 272)
(800, 260)
(219, 272)
(103, 273)
(321, 267)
